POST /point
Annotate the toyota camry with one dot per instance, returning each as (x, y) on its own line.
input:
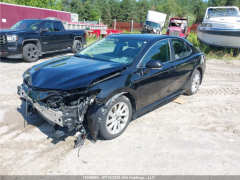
(111, 82)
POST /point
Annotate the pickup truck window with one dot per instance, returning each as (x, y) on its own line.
(26, 24)
(48, 25)
(58, 26)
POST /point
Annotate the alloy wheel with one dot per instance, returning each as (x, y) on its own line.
(195, 82)
(32, 52)
(78, 46)
(117, 118)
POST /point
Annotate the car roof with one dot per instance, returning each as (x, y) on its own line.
(143, 36)
(42, 20)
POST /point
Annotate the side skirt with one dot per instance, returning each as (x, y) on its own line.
(158, 104)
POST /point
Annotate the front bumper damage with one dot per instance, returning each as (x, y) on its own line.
(65, 111)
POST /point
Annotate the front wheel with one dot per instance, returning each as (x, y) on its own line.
(194, 82)
(77, 46)
(30, 53)
(116, 119)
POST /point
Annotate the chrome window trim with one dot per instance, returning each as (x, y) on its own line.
(138, 66)
(186, 48)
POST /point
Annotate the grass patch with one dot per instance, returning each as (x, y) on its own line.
(134, 32)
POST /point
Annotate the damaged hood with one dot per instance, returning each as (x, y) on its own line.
(67, 73)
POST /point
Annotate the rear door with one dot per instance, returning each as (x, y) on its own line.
(154, 85)
(184, 62)
(61, 35)
(48, 39)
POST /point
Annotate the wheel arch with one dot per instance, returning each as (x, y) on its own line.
(98, 110)
(78, 38)
(33, 41)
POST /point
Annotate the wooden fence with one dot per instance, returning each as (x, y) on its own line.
(126, 26)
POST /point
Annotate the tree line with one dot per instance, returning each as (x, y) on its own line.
(126, 10)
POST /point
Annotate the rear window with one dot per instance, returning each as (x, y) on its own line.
(181, 48)
(57, 26)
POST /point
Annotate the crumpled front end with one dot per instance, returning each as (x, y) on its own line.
(64, 110)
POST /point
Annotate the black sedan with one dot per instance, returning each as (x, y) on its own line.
(114, 80)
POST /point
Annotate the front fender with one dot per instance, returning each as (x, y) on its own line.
(96, 113)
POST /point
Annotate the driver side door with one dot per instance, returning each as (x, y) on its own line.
(48, 39)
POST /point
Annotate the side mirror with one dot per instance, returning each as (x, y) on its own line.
(44, 30)
(154, 64)
(141, 24)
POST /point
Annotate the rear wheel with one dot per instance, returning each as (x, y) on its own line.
(30, 53)
(194, 82)
(116, 119)
(77, 46)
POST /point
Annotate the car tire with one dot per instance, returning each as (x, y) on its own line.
(113, 124)
(195, 81)
(77, 46)
(30, 53)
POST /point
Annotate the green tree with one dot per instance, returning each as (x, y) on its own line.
(94, 15)
(143, 7)
(217, 2)
(170, 8)
(50, 4)
(87, 11)
(129, 10)
(75, 6)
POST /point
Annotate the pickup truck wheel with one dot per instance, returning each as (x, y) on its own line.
(30, 53)
(77, 46)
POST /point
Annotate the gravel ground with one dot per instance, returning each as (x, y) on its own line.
(201, 136)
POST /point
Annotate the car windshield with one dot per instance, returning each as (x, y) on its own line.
(26, 25)
(214, 13)
(153, 24)
(115, 49)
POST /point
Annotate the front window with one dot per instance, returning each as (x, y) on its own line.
(115, 49)
(153, 24)
(58, 26)
(26, 25)
(215, 13)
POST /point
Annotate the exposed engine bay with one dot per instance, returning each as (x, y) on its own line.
(63, 110)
